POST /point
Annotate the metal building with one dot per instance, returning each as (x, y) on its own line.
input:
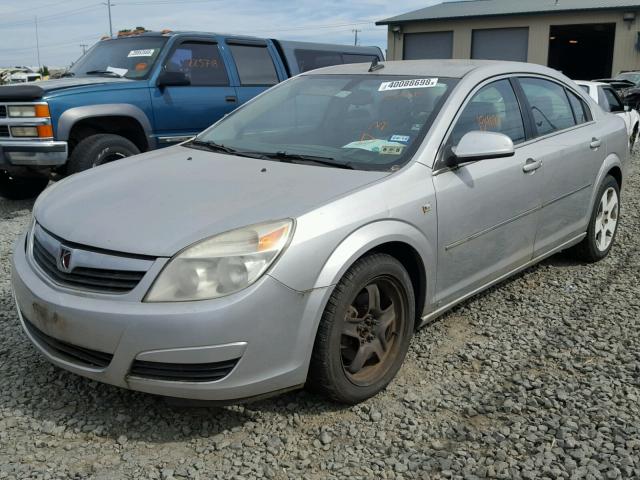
(585, 39)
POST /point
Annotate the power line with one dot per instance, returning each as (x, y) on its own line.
(41, 7)
(55, 16)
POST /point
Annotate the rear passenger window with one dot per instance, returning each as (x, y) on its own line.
(255, 65)
(493, 109)
(357, 58)
(200, 62)
(580, 109)
(549, 105)
(613, 102)
(312, 59)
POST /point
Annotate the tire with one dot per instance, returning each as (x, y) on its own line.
(99, 149)
(603, 225)
(344, 364)
(21, 188)
(633, 139)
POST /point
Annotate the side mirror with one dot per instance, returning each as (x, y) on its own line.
(173, 79)
(478, 145)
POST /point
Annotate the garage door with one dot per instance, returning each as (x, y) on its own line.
(501, 44)
(419, 46)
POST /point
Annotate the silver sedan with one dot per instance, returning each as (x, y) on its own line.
(304, 238)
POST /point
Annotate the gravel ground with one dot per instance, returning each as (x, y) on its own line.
(537, 378)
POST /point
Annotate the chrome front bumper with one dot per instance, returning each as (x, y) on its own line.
(33, 153)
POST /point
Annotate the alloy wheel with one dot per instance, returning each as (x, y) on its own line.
(371, 331)
(606, 219)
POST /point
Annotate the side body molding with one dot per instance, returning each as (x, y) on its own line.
(73, 115)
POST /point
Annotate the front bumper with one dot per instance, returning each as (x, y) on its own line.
(33, 153)
(269, 327)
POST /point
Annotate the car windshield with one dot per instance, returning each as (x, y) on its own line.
(367, 122)
(631, 77)
(123, 57)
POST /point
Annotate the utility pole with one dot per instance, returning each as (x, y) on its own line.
(356, 31)
(38, 44)
(84, 48)
(108, 4)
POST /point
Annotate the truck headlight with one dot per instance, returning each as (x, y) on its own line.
(24, 131)
(221, 265)
(28, 111)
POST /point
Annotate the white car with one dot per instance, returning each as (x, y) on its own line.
(609, 101)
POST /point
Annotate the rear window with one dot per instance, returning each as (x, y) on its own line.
(255, 65)
(312, 59)
(549, 105)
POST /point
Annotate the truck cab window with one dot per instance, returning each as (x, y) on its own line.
(254, 64)
(200, 61)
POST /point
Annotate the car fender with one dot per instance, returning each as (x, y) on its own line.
(73, 115)
(610, 162)
(371, 236)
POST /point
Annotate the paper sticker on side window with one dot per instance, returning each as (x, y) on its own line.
(404, 84)
(148, 52)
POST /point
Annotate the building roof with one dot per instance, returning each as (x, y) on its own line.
(484, 8)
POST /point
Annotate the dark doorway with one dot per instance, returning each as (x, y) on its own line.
(582, 52)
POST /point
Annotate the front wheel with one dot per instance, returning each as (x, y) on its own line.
(99, 149)
(16, 187)
(604, 223)
(364, 333)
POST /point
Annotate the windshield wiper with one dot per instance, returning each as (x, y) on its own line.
(103, 72)
(67, 74)
(218, 147)
(296, 157)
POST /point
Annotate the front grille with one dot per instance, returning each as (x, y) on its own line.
(95, 279)
(3, 111)
(183, 372)
(4, 131)
(67, 351)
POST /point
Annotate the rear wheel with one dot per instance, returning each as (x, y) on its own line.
(633, 139)
(99, 149)
(16, 187)
(604, 223)
(365, 331)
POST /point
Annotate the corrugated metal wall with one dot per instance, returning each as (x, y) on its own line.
(625, 55)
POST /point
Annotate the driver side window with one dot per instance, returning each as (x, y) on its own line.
(494, 108)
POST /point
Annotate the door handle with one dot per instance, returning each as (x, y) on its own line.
(230, 99)
(531, 165)
(595, 143)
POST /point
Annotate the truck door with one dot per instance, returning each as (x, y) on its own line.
(182, 111)
(256, 66)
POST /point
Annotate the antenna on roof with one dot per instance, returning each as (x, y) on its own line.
(375, 65)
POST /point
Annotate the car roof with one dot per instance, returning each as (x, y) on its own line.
(440, 68)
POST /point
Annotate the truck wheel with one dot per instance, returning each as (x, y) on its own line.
(99, 149)
(21, 188)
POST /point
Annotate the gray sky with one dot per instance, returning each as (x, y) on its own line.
(64, 24)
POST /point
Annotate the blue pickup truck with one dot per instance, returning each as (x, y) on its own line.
(139, 92)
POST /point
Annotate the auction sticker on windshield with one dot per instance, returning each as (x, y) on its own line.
(147, 52)
(404, 84)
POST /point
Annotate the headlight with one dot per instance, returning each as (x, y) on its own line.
(29, 111)
(24, 131)
(221, 265)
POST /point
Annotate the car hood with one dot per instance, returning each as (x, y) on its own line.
(36, 90)
(160, 202)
